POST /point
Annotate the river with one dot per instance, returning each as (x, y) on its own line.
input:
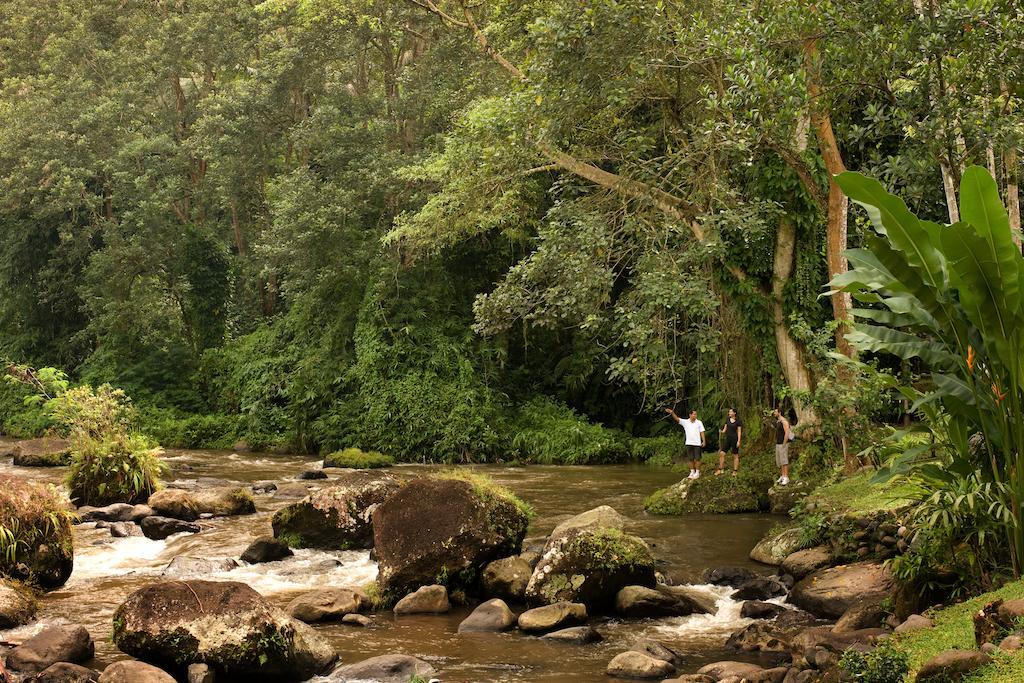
(108, 569)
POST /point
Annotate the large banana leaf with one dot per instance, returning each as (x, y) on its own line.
(892, 218)
(981, 206)
(887, 340)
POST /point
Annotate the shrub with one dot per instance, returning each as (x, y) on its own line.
(85, 414)
(175, 429)
(32, 515)
(550, 433)
(358, 459)
(885, 664)
(658, 450)
(124, 469)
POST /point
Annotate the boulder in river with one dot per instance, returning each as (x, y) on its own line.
(225, 501)
(125, 529)
(17, 604)
(66, 672)
(174, 503)
(728, 576)
(425, 600)
(115, 512)
(51, 645)
(721, 670)
(830, 592)
(44, 452)
(225, 624)
(776, 547)
(337, 517)
(384, 669)
(586, 563)
(490, 617)
(756, 609)
(862, 614)
(327, 604)
(581, 635)
(760, 588)
(266, 549)
(445, 530)
(803, 562)
(506, 578)
(158, 528)
(632, 664)
(134, 672)
(718, 495)
(640, 602)
(184, 567)
(552, 617)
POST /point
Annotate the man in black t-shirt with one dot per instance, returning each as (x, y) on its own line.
(731, 439)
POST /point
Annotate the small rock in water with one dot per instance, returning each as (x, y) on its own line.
(51, 645)
(158, 528)
(312, 474)
(759, 588)
(129, 671)
(653, 648)
(576, 634)
(492, 616)
(102, 524)
(264, 487)
(356, 620)
(728, 576)
(125, 529)
(756, 609)
(196, 567)
(65, 672)
(552, 617)
(329, 604)
(632, 664)
(266, 549)
(425, 600)
(384, 669)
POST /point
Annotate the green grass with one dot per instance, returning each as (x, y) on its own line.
(954, 629)
(487, 489)
(857, 494)
(358, 459)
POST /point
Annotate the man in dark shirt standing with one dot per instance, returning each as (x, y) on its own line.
(730, 443)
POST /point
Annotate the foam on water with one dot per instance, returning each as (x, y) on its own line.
(719, 625)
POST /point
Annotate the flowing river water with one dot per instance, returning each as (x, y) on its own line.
(108, 569)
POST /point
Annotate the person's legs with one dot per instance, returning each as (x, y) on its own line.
(736, 461)
(721, 462)
(695, 460)
(782, 460)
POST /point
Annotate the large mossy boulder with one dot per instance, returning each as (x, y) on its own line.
(445, 530)
(829, 593)
(45, 452)
(39, 516)
(224, 624)
(219, 501)
(588, 559)
(777, 545)
(18, 604)
(336, 517)
(709, 494)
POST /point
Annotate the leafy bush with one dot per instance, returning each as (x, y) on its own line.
(86, 414)
(884, 664)
(118, 470)
(950, 298)
(174, 429)
(32, 514)
(658, 450)
(549, 433)
(358, 459)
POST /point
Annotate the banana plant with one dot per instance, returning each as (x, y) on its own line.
(951, 296)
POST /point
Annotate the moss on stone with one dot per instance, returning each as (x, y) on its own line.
(612, 549)
(355, 458)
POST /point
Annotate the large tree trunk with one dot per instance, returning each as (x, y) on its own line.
(837, 201)
(792, 356)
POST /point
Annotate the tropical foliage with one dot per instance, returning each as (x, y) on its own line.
(949, 298)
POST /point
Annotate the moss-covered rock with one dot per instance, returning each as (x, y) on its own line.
(358, 459)
(445, 530)
(777, 545)
(336, 517)
(226, 625)
(18, 604)
(588, 563)
(36, 541)
(45, 452)
(710, 494)
(219, 501)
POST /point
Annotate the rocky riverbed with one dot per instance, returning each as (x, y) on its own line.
(656, 602)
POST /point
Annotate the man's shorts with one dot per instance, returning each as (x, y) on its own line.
(782, 454)
(730, 447)
(693, 452)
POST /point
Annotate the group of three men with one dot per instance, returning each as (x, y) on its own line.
(730, 442)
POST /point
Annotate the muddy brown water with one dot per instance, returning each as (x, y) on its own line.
(108, 569)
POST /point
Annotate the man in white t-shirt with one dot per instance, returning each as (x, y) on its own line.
(696, 440)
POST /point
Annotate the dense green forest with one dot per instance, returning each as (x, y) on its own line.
(462, 231)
